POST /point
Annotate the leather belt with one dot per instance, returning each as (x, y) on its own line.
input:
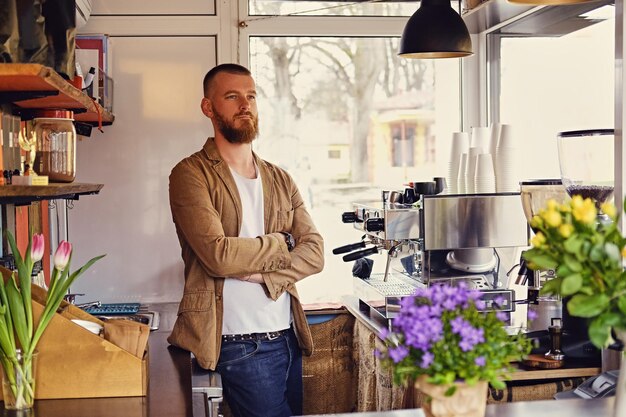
(253, 336)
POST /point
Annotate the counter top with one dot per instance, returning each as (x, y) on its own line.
(352, 305)
(602, 407)
(169, 387)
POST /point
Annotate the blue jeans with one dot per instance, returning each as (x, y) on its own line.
(262, 378)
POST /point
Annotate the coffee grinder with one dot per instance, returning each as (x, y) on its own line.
(535, 195)
(587, 169)
(547, 310)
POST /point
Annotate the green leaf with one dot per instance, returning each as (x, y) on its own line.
(600, 334)
(613, 251)
(573, 244)
(18, 314)
(552, 286)
(587, 305)
(544, 261)
(596, 254)
(450, 391)
(572, 263)
(497, 384)
(563, 271)
(571, 284)
(621, 303)
(24, 269)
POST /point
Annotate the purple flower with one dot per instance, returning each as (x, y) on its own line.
(470, 337)
(398, 353)
(458, 324)
(384, 332)
(480, 361)
(502, 316)
(499, 301)
(427, 359)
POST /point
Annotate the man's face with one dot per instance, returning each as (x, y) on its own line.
(232, 107)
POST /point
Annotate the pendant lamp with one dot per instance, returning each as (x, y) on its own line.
(435, 31)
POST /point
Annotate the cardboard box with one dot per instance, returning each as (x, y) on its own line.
(75, 363)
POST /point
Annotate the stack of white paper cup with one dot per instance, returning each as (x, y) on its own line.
(495, 137)
(460, 182)
(470, 170)
(481, 136)
(460, 145)
(507, 161)
(484, 176)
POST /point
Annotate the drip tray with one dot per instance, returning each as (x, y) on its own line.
(149, 318)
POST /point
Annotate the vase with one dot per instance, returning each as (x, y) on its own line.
(467, 400)
(619, 409)
(18, 380)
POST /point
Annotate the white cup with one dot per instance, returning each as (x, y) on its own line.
(460, 145)
(480, 138)
(495, 137)
(470, 169)
(484, 177)
(507, 137)
(461, 186)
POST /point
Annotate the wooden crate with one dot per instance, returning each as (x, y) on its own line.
(75, 363)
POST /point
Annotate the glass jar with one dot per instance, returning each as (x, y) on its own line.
(55, 137)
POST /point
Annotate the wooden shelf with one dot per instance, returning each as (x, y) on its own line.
(34, 86)
(24, 194)
(537, 374)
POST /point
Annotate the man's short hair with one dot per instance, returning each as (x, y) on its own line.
(228, 68)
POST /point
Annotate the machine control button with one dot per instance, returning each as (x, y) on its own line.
(375, 224)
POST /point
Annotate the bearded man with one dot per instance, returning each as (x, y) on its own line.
(246, 239)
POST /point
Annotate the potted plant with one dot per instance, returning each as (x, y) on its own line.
(587, 257)
(19, 334)
(442, 340)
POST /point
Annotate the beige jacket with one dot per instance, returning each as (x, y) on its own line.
(206, 210)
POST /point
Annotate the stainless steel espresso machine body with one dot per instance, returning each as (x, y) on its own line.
(473, 238)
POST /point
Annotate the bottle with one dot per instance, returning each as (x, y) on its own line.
(55, 137)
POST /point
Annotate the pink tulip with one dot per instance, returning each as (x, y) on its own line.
(36, 252)
(62, 255)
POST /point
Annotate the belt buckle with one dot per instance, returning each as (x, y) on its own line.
(272, 337)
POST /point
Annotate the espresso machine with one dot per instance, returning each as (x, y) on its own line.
(440, 238)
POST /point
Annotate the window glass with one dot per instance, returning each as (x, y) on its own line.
(348, 118)
(557, 77)
(332, 8)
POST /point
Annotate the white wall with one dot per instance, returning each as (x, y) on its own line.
(158, 66)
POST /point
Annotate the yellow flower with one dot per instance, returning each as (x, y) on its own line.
(552, 217)
(566, 230)
(624, 252)
(565, 208)
(538, 240)
(609, 209)
(577, 201)
(552, 204)
(585, 211)
(536, 222)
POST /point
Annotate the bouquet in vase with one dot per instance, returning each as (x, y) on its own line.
(19, 334)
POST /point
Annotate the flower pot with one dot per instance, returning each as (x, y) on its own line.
(18, 380)
(467, 400)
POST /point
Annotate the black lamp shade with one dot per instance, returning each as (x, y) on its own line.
(435, 31)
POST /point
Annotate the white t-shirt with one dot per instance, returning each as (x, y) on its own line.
(247, 309)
